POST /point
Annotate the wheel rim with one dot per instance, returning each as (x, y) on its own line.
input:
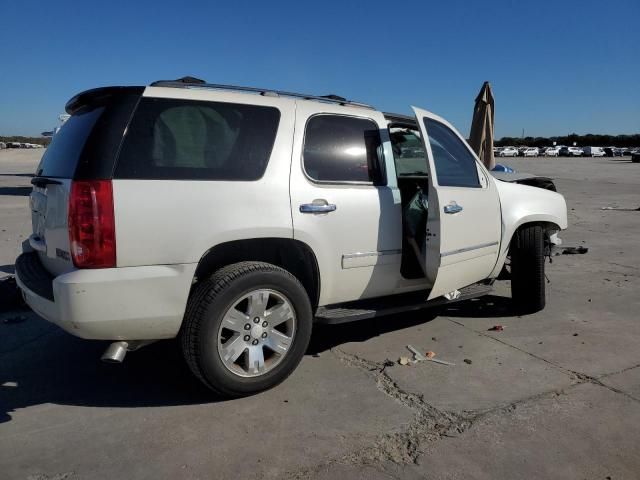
(256, 333)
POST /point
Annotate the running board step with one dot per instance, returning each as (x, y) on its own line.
(378, 307)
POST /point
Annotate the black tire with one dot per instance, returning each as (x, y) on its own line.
(206, 307)
(527, 269)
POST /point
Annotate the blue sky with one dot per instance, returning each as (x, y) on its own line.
(556, 67)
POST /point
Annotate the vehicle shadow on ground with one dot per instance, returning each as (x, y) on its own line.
(326, 337)
(40, 364)
(488, 306)
(54, 367)
(16, 191)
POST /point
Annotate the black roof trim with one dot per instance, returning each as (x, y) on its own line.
(400, 118)
(191, 82)
(96, 96)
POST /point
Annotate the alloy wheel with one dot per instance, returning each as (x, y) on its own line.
(256, 333)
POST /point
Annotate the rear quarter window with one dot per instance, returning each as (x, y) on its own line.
(194, 140)
(62, 155)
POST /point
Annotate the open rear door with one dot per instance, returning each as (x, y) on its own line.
(464, 219)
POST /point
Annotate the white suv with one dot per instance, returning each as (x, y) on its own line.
(235, 218)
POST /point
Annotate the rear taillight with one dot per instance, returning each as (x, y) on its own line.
(92, 231)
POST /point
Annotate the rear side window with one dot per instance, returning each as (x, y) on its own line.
(62, 155)
(342, 149)
(193, 140)
(455, 165)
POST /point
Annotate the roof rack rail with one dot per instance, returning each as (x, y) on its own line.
(191, 82)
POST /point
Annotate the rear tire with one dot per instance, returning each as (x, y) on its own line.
(214, 328)
(527, 269)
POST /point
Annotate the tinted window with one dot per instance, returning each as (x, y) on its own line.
(62, 155)
(455, 165)
(178, 139)
(408, 151)
(341, 149)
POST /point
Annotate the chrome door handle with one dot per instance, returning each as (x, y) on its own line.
(453, 207)
(317, 208)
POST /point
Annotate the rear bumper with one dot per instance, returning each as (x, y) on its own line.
(130, 303)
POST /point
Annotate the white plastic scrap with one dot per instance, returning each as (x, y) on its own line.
(452, 295)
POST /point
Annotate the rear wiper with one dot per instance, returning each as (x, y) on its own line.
(44, 181)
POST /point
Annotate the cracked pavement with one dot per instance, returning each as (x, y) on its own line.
(553, 395)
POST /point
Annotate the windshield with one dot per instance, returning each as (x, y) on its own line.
(408, 151)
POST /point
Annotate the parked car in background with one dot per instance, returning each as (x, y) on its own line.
(593, 151)
(509, 152)
(570, 152)
(550, 152)
(576, 151)
(610, 152)
(3, 145)
(531, 152)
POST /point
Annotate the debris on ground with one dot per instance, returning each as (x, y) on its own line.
(467, 361)
(573, 250)
(430, 354)
(419, 357)
(622, 209)
(403, 360)
(387, 363)
(496, 328)
(575, 334)
(434, 339)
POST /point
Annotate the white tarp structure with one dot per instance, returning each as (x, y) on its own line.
(481, 136)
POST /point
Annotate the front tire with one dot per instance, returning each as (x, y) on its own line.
(527, 269)
(246, 328)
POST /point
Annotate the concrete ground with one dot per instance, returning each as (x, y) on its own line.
(553, 395)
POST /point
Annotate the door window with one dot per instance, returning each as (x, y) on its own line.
(455, 165)
(339, 149)
(408, 152)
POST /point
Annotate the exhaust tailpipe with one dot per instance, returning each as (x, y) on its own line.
(115, 352)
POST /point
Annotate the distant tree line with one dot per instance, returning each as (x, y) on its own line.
(588, 140)
(17, 138)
